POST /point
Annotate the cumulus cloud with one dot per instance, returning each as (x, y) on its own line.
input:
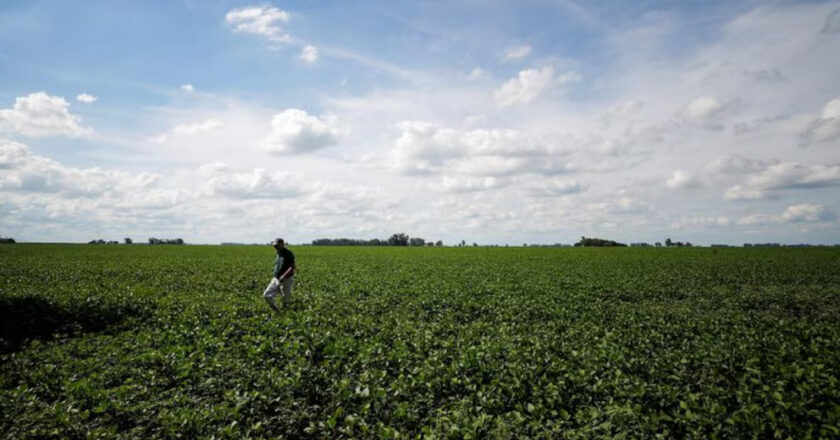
(424, 148)
(802, 213)
(781, 176)
(187, 88)
(39, 114)
(792, 175)
(295, 131)
(705, 112)
(621, 110)
(735, 165)
(309, 54)
(258, 184)
(807, 212)
(28, 172)
(87, 99)
(620, 205)
(264, 21)
(475, 74)
(517, 52)
(681, 180)
(469, 183)
(44, 195)
(826, 127)
(529, 84)
(701, 222)
(196, 128)
(555, 187)
(739, 192)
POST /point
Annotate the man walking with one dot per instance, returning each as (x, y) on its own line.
(284, 275)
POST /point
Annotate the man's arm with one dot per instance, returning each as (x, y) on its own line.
(287, 273)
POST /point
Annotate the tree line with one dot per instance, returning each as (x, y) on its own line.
(399, 239)
(153, 240)
(586, 242)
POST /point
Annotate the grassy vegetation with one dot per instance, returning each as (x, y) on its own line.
(167, 341)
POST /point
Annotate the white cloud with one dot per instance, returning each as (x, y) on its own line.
(158, 139)
(87, 99)
(30, 173)
(12, 154)
(681, 180)
(196, 128)
(802, 213)
(529, 84)
(475, 74)
(757, 220)
(264, 21)
(792, 175)
(765, 177)
(309, 54)
(738, 192)
(517, 52)
(295, 131)
(703, 107)
(555, 187)
(701, 222)
(187, 88)
(469, 183)
(734, 165)
(39, 114)
(705, 112)
(826, 127)
(621, 110)
(807, 212)
(258, 184)
(424, 148)
(45, 196)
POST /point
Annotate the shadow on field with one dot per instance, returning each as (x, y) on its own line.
(29, 317)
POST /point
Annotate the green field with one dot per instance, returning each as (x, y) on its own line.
(176, 342)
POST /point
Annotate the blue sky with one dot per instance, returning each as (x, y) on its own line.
(487, 121)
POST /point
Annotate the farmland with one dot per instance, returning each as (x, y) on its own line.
(176, 341)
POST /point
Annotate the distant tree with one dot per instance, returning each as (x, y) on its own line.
(398, 240)
(6, 240)
(658, 244)
(439, 243)
(668, 242)
(463, 243)
(475, 244)
(416, 241)
(166, 241)
(587, 242)
(128, 240)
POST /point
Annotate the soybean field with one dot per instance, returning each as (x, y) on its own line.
(147, 342)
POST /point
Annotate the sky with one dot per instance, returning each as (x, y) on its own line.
(492, 122)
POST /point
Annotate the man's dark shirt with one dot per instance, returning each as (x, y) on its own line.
(285, 260)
